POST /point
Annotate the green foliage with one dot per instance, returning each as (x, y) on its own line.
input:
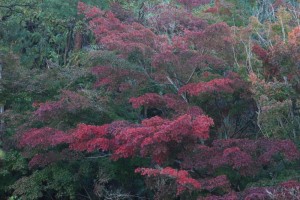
(41, 31)
(12, 167)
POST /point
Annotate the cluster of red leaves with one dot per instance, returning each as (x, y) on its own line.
(69, 102)
(260, 52)
(149, 100)
(43, 138)
(168, 19)
(117, 79)
(182, 178)
(126, 140)
(246, 156)
(195, 50)
(294, 36)
(83, 138)
(216, 37)
(115, 35)
(90, 138)
(218, 182)
(271, 69)
(170, 101)
(215, 85)
(158, 138)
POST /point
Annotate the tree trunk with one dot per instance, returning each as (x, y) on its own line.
(78, 40)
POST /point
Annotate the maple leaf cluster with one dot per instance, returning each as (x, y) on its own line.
(294, 36)
(89, 138)
(244, 155)
(114, 34)
(69, 102)
(165, 136)
(211, 184)
(181, 177)
(168, 19)
(215, 85)
(271, 69)
(43, 138)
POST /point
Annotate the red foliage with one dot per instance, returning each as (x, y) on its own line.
(214, 37)
(194, 50)
(149, 100)
(90, 138)
(294, 36)
(244, 155)
(217, 182)
(168, 19)
(183, 181)
(69, 102)
(260, 52)
(117, 79)
(271, 69)
(43, 138)
(88, 11)
(165, 140)
(159, 137)
(196, 46)
(215, 85)
(115, 35)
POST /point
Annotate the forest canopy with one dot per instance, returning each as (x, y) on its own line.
(150, 99)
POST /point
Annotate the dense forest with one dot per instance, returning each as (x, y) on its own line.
(150, 99)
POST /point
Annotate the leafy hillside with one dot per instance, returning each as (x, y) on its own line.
(149, 99)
